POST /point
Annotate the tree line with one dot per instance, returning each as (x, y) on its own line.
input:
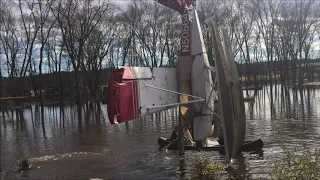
(84, 36)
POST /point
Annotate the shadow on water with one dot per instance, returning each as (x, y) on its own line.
(81, 137)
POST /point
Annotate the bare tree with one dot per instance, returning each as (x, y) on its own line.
(97, 48)
(30, 28)
(11, 39)
(77, 20)
(305, 20)
(149, 33)
(243, 30)
(130, 20)
(171, 31)
(40, 11)
(265, 15)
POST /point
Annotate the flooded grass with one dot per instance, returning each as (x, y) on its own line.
(295, 166)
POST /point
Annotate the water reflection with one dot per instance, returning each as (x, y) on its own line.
(88, 143)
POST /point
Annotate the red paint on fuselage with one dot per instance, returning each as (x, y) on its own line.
(177, 5)
(123, 96)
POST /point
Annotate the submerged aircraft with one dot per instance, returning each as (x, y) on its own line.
(135, 92)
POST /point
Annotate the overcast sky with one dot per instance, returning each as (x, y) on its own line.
(123, 3)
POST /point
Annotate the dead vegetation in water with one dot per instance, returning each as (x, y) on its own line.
(293, 166)
(203, 169)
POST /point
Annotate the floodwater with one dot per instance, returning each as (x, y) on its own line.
(65, 149)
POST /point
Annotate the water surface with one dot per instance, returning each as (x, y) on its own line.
(65, 149)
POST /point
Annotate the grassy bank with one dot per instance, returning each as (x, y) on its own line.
(293, 165)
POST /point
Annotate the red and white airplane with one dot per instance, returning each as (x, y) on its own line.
(134, 92)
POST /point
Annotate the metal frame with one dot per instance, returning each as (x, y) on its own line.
(198, 99)
(176, 104)
(161, 89)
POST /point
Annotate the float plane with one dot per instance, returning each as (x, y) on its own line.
(194, 85)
